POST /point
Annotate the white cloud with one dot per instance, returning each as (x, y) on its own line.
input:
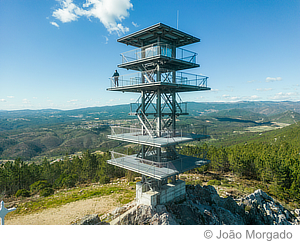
(265, 89)
(269, 79)
(26, 101)
(10, 97)
(106, 39)
(72, 101)
(68, 11)
(109, 12)
(228, 97)
(55, 24)
(2, 100)
(252, 97)
(285, 96)
(135, 24)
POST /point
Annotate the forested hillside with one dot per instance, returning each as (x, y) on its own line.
(261, 146)
(25, 179)
(273, 159)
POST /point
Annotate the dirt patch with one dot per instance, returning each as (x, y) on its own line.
(68, 213)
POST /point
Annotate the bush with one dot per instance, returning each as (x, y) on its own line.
(66, 180)
(247, 208)
(46, 192)
(104, 179)
(214, 182)
(39, 185)
(22, 193)
(196, 182)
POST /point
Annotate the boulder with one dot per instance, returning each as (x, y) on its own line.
(203, 206)
(90, 220)
(148, 215)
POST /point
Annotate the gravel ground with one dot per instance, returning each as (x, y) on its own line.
(66, 214)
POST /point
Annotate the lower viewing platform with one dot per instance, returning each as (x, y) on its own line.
(157, 170)
(148, 137)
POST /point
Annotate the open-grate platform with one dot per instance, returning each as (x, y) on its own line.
(157, 170)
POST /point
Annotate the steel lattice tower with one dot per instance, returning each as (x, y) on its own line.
(158, 61)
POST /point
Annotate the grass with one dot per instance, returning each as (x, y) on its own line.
(261, 128)
(125, 192)
(225, 183)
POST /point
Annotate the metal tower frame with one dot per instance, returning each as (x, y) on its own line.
(159, 60)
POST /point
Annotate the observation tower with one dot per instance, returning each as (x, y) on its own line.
(157, 62)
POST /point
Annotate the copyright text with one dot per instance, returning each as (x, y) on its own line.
(249, 234)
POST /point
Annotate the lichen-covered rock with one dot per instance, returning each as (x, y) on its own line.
(148, 215)
(89, 220)
(203, 206)
(264, 210)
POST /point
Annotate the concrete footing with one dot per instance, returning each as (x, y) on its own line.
(168, 192)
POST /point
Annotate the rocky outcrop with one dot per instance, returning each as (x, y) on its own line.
(89, 220)
(264, 210)
(147, 215)
(203, 206)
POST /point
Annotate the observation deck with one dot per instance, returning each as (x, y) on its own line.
(159, 44)
(169, 80)
(153, 138)
(158, 61)
(167, 55)
(157, 170)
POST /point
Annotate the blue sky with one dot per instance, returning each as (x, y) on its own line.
(60, 53)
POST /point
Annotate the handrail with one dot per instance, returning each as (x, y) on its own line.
(170, 134)
(167, 164)
(158, 49)
(181, 78)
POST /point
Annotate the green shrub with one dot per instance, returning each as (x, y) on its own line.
(104, 179)
(46, 192)
(39, 185)
(196, 182)
(214, 182)
(247, 208)
(225, 181)
(22, 193)
(66, 180)
(227, 185)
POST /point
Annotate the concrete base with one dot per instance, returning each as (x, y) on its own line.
(167, 193)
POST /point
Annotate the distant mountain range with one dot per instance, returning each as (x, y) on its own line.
(262, 107)
(121, 111)
(31, 133)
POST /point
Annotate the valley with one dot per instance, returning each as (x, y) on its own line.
(34, 135)
(49, 157)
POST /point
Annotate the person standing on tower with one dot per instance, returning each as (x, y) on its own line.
(116, 78)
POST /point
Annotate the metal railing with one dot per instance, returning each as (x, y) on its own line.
(158, 49)
(167, 76)
(139, 135)
(153, 168)
(144, 166)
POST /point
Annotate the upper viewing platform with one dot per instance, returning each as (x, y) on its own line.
(159, 60)
(166, 54)
(158, 43)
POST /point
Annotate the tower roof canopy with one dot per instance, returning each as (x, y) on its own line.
(166, 33)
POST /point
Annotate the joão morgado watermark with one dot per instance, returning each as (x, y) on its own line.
(248, 235)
